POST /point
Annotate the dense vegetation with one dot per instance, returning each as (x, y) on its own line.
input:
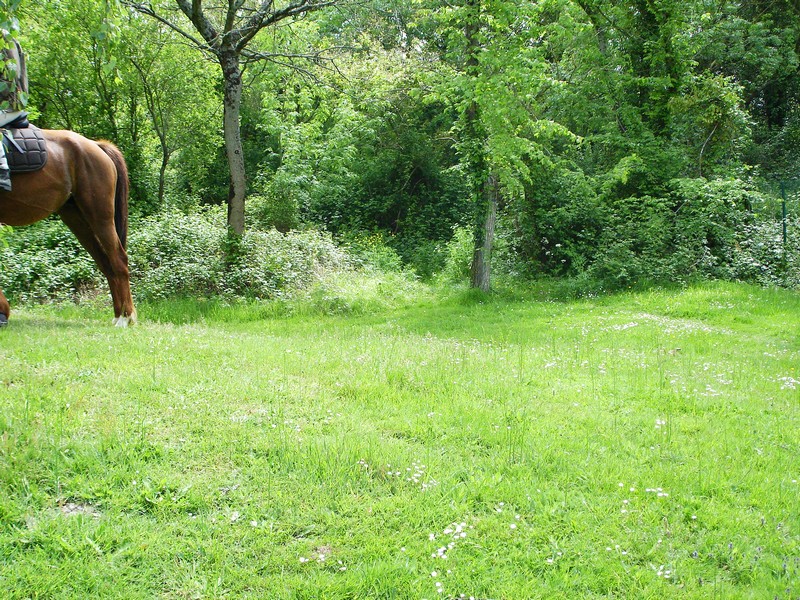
(613, 142)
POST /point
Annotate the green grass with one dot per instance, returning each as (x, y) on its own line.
(644, 445)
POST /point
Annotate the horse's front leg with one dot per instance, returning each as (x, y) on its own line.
(5, 310)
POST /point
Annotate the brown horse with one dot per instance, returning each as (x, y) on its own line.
(86, 184)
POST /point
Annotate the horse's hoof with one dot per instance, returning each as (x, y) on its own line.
(3, 320)
(121, 321)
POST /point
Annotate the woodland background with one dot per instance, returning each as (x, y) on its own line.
(618, 143)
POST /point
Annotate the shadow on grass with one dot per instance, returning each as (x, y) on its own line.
(509, 312)
(72, 318)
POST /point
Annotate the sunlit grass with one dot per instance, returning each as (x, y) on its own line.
(644, 445)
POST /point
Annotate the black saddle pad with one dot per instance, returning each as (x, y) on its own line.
(26, 150)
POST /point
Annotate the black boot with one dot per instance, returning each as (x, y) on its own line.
(5, 180)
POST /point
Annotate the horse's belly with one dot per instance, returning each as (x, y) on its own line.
(16, 212)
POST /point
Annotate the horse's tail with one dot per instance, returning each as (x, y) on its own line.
(121, 192)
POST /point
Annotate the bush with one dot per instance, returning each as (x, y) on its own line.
(372, 251)
(634, 241)
(270, 264)
(460, 250)
(554, 229)
(428, 258)
(177, 254)
(44, 262)
(275, 210)
(692, 229)
(184, 255)
(694, 232)
(760, 255)
(171, 255)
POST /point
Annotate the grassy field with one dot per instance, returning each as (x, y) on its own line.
(644, 445)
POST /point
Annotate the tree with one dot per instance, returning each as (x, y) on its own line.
(495, 55)
(485, 188)
(226, 34)
(74, 82)
(175, 91)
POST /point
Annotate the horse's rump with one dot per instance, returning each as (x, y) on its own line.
(121, 191)
(86, 184)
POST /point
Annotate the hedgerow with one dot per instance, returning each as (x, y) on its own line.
(171, 255)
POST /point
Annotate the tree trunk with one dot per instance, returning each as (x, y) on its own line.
(233, 140)
(162, 172)
(484, 183)
(484, 240)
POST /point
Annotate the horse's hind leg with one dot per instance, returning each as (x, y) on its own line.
(5, 310)
(103, 244)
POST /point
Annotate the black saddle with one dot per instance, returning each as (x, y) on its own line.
(25, 147)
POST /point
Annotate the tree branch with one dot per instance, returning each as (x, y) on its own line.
(233, 7)
(265, 16)
(204, 26)
(147, 9)
(287, 59)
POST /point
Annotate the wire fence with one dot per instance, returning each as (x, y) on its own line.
(780, 202)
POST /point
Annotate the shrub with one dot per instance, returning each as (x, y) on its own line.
(270, 264)
(555, 227)
(636, 237)
(760, 255)
(184, 255)
(177, 254)
(428, 257)
(173, 254)
(372, 251)
(460, 250)
(45, 261)
(700, 229)
(691, 229)
(278, 210)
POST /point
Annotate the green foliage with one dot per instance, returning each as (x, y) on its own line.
(172, 254)
(271, 264)
(45, 262)
(762, 256)
(757, 45)
(710, 119)
(178, 254)
(696, 229)
(366, 160)
(617, 131)
(277, 210)
(460, 249)
(373, 252)
(555, 228)
(702, 229)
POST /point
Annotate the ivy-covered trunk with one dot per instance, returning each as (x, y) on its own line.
(484, 184)
(162, 172)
